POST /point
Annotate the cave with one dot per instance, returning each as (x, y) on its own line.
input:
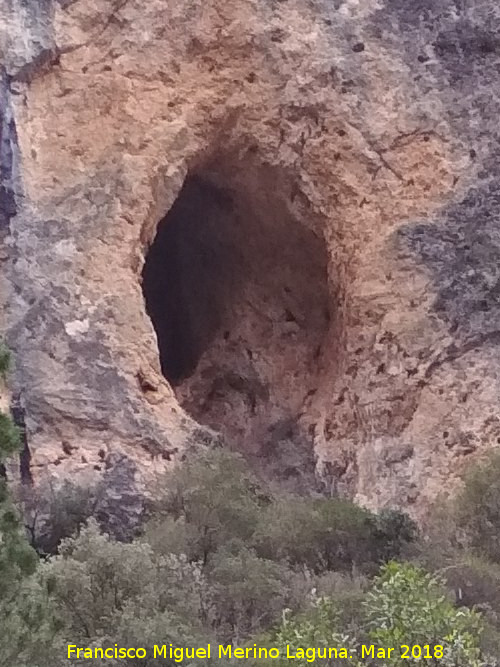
(237, 290)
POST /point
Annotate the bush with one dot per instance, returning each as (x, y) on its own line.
(246, 594)
(329, 534)
(111, 592)
(317, 628)
(52, 514)
(477, 512)
(27, 628)
(30, 630)
(207, 502)
(394, 531)
(5, 360)
(321, 534)
(17, 559)
(407, 605)
(10, 437)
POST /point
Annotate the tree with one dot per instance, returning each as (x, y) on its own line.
(329, 534)
(207, 502)
(110, 592)
(52, 513)
(317, 628)
(245, 593)
(394, 531)
(17, 559)
(30, 633)
(5, 360)
(477, 513)
(408, 606)
(27, 627)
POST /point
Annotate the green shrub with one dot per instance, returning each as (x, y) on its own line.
(30, 631)
(321, 534)
(209, 501)
(394, 531)
(222, 559)
(5, 360)
(54, 513)
(329, 534)
(111, 592)
(477, 513)
(246, 594)
(214, 500)
(10, 437)
(407, 605)
(475, 583)
(27, 628)
(319, 627)
(17, 559)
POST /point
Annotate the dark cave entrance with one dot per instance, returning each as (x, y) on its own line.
(184, 278)
(237, 290)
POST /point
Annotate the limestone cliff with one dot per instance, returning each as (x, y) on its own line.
(268, 222)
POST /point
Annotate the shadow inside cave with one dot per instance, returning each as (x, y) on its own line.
(237, 290)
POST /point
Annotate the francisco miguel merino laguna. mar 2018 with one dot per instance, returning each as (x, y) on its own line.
(179, 653)
(310, 654)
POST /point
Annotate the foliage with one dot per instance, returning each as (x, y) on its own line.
(17, 559)
(322, 534)
(475, 583)
(94, 579)
(407, 605)
(10, 437)
(246, 594)
(477, 513)
(53, 513)
(223, 559)
(27, 630)
(5, 360)
(316, 628)
(394, 531)
(30, 631)
(348, 591)
(329, 534)
(209, 501)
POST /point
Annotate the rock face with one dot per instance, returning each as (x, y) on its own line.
(273, 223)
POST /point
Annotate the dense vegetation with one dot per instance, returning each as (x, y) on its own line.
(222, 558)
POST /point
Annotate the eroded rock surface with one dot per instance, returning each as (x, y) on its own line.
(318, 183)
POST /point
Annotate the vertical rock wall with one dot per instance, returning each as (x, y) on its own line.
(368, 124)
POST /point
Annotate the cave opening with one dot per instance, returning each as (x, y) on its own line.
(237, 291)
(185, 278)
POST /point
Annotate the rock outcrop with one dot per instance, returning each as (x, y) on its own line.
(272, 223)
